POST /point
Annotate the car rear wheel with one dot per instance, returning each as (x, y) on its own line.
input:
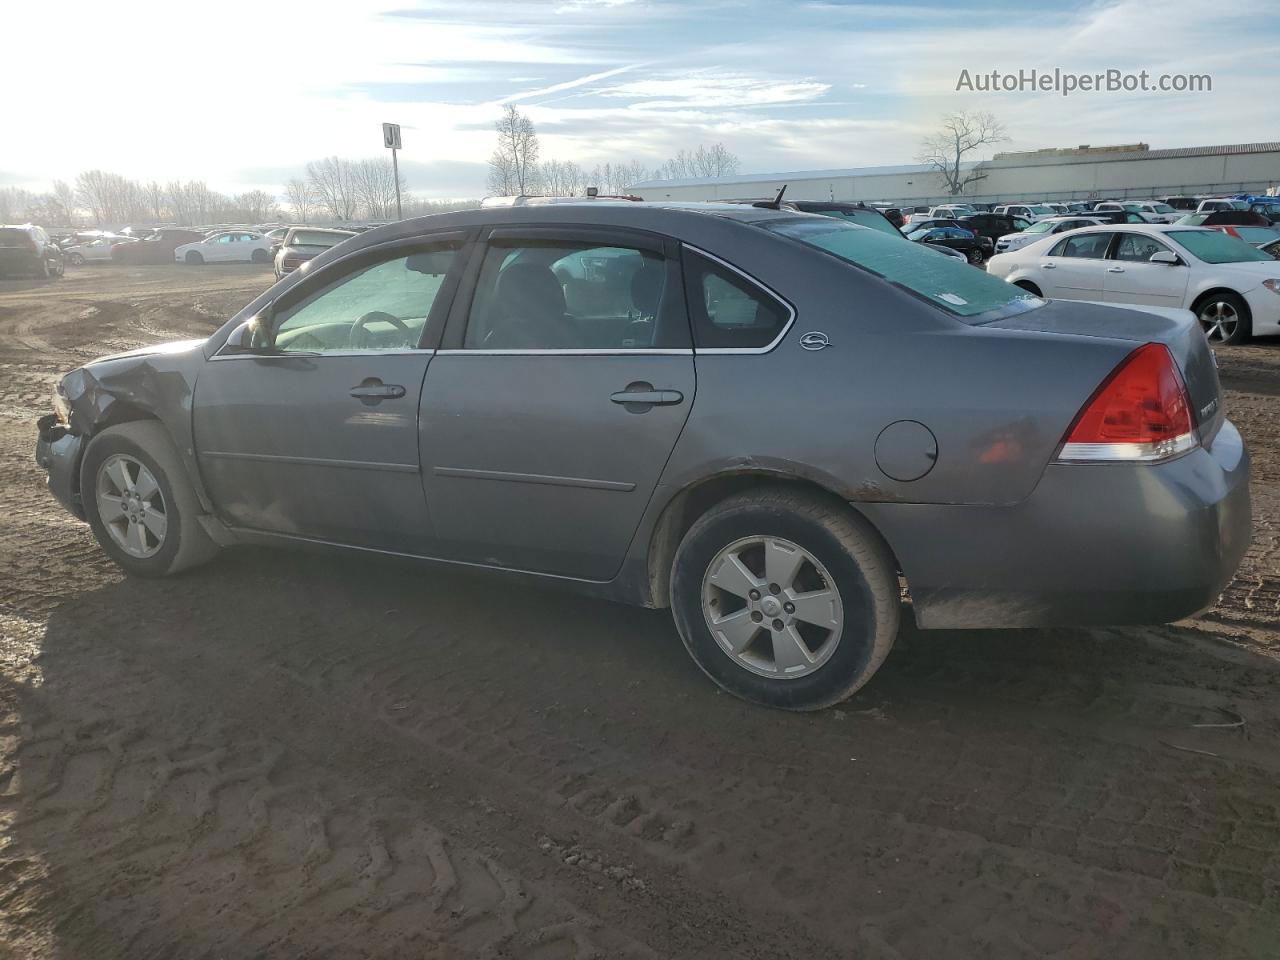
(76, 260)
(1028, 286)
(1225, 318)
(975, 256)
(194, 258)
(139, 501)
(785, 599)
(260, 256)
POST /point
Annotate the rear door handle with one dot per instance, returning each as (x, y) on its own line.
(1048, 266)
(374, 390)
(649, 398)
(1115, 269)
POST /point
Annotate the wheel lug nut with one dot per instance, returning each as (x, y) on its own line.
(754, 594)
(777, 624)
(789, 607)
(775, 589)
(756, 616)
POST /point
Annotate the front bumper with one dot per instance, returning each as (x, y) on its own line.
(1093, 544)
(58, 452)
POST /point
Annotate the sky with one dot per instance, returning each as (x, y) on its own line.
(242, 93)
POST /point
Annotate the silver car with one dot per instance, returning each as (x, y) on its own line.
(774, 423)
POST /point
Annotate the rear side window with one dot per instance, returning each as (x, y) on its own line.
(728, 310)
(946, 282)
(1090, 246)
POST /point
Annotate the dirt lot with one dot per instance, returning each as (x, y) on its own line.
(288, 755)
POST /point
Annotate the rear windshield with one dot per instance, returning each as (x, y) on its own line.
(867, 218)
(1256, 235)
(1214, 246)
(947, 282)
(9, 237)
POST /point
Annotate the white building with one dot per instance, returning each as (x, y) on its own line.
(1080, 173)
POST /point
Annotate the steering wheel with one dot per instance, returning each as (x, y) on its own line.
(359, 335)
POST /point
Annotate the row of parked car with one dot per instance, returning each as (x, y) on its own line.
(32, 250)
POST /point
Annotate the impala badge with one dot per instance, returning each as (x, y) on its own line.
(815, 340)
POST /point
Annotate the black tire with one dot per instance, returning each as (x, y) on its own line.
(858, 561)
(194, 258)
(60, 268)
(1242, 332)
(975, 256)
(43, 273)
(76, 260)
(185, 542)
(260, 256)
(1028, 286)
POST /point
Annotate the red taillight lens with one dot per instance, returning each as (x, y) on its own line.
(1140, 412)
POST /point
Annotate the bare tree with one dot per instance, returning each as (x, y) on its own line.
(373, 185)
(961, 134)
(716, 160)
(299, 197)
(513, 165)
(255, 206)
(64, 197)
(561, 178)
(155, 196)
(330, 179)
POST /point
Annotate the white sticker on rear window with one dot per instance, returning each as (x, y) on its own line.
(952, 298)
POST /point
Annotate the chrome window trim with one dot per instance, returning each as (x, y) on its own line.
(317, 354)
(770, 292)
(572, 352)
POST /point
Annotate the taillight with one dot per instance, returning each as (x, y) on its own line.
(1141, 412)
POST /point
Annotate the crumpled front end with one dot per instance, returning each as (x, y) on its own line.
(58, 452)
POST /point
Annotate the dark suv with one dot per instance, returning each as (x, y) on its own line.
(28, 249)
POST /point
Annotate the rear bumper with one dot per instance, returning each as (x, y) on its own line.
(58, 452)
(1094, 544)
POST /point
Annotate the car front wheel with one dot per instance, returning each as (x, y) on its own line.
(76, 260)
(1225, 318)
(785, 599)
(139, 501)
(194, 258)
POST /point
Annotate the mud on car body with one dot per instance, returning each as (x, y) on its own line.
(765, 420)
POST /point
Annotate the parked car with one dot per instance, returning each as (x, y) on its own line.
(853, 213)
(226, 247)
(1220, 203)
(951, 211)
(301, 244)
(514, 389)
(1257, 236)
(1222, 218)
(1233, 288)
(27, 249)
(95, 248)
(1182, 203)
(1028, 212)
(993, 226)
(1271, 248)
(1117, 216)
(1151, 212)
(975, 248)
(916, 213)
(931, 223)
(1041, 228)
(157, 248)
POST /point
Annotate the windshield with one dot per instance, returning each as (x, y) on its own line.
(1214, 246)
(1162, 208)
(1041, 210)
(867, 218)
(1132, 207)
(317, 238)
(1044, 226)
(946, 282)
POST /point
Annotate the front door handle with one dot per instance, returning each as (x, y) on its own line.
(640, 396)
(373, 391)
(1048, 266)
(1115, 269)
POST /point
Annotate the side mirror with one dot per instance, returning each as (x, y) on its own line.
(1166, 257)
(253, 336)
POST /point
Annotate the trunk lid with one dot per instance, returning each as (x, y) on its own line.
(1176, 328)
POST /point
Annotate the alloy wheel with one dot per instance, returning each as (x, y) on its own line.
(1219, 320)
(131, 506)
(772, 607)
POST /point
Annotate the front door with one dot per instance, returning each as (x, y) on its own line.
(1074, 268)
(318, 437)
(567, 379)
(1131, 277)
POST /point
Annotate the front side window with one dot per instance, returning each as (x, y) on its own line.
(1137, 248)
(381, 306)
(1090, 246)
(565, 295)
(946, 282)
(730, 311)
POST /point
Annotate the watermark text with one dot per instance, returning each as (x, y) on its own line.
(1066, 83)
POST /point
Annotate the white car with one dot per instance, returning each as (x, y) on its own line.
(94, 248)
(1232, 287)
(1152, 211)
(1041, 228)
(228, 246)
(947, 211)
(1223, 203)
(1027, 211)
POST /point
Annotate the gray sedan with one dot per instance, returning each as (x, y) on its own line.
(771, 422)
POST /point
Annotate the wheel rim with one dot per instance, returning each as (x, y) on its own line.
(772, 607)
(131, 506)
(1219, 320)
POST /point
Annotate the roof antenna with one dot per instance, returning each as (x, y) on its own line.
(776, 202)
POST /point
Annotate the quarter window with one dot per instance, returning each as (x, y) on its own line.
(381, 306)
(565, 295)
(728, 310)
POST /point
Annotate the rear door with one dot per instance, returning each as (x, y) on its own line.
(1075, 267)
(1130, 277)
(565, 380)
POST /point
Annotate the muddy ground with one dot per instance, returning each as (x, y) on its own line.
(289, 755)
